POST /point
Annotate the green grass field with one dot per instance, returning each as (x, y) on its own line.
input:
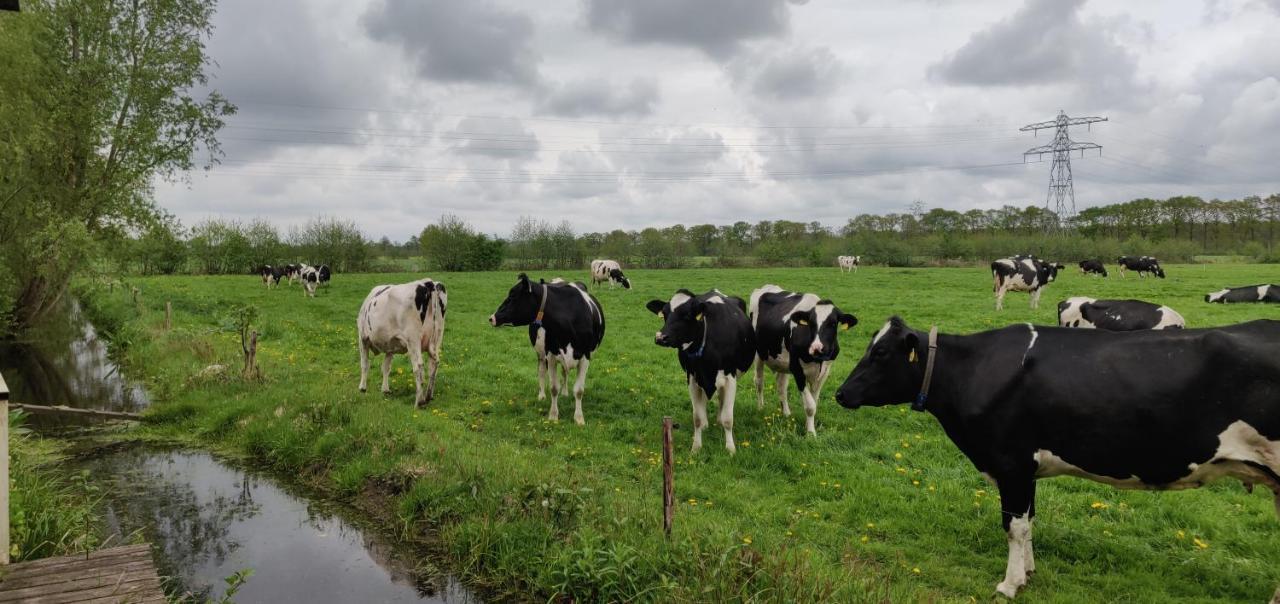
(879, 507)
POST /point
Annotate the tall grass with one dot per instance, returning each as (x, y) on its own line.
(51, 513)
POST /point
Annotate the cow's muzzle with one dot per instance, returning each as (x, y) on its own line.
(493, 320)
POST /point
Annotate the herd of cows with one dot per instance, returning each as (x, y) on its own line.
(1135, 400)
(311, 277)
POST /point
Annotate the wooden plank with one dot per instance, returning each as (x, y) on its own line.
(77, 412)
(100, 557)
(24, 581)
(76, 583)
(127, 592)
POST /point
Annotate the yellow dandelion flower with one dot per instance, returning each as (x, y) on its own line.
(871, 525)
(747, 540)
(1098, 505)
(916, 570)
(1200, 544)
(1181, 534)
(865, 538)
(897, 456)
(915, 482)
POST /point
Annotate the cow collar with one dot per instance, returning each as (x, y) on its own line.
(923, 397)
(537, 318)
(703, 346)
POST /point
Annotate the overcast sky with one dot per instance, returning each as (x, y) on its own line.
(627, 114)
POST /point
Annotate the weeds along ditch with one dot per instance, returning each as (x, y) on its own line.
(879, 506)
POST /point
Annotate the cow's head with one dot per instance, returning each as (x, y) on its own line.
(617, 277)
(520, 306)
(1051, 271)
(1155, 268)
(890, 372)
(1219, 296)
(682, 319)
(264, 271)
(814, 331)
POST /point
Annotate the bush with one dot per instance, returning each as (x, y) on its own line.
(452, 245)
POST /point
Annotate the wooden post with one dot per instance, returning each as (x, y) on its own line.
(168, 315)
(4, 472)
(668, 478)
(251, 359)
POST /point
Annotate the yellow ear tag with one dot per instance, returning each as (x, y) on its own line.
(698, 318)
(912, 357)
(662, 315)
(844, 327)
(802, 322)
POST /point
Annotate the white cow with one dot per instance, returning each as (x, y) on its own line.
(403, 319)
(608, 270)
(848, 263)
(310, 277)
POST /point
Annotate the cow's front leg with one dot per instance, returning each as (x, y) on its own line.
(554, 413)
(420, 395)
(1035, 299)
(579, 388)
(781, 384)
(699, 399)
(1016, 493)
(728, 390)
(364, 366)
(386, 374)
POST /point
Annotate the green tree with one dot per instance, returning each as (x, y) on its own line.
(96, 100)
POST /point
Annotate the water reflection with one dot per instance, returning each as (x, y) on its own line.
(66, 363)
(210, 520)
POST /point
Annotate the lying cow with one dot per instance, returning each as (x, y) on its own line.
(796, 334)
(1117, 315)
(1092, 267)
(1248, 293)
(1022, 274)
(403, 319)
(310, 278)
(566, 324)
(848, 263)
(608, 270)
(1163, 410)
(270, 275)
(714, 343)
(1141, 265)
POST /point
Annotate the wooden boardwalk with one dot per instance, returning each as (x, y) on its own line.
(110, 576)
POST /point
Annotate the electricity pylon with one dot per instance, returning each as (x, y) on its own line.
(1062, 195)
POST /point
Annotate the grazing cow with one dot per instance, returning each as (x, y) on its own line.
(796, 333)
(1248, 293)
(310, 277)
(1117, 315)
(270, 275)
(1142, 265)
(848, 263)
(1092, 266)
(714, 343)
(566, 324)
(292, 272)
(403, 319)
(1171, 409)
(608, 270)
(322, 274)
(1022, 274)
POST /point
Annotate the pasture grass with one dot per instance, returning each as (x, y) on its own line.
(880, 506)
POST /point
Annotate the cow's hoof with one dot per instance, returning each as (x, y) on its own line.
(1007, 590)
(542, 396)
(579, 420)
(811, 434)
(362, 390)
(386, 393)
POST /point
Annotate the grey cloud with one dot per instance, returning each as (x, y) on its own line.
(788, 73)
(599, 97)
(497, 138)
(458, 40)
(1045, 41)
(716, 27)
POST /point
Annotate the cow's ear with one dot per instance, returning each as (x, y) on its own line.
(698, 310)
(847, 320)
(800, 317)
(656, 306)
(911, 340)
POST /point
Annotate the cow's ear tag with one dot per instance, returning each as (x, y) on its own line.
(662, 315)
(698, 318)
(844, 327)
(912, 355)
(802, 322)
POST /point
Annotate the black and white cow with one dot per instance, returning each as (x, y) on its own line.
(1092, 266)
(608, 270)
(848, 263)
(403, 319)
(323, 274)
(1141, 264)
(291, 271)
(1117, 315)
(566, 325)
(796, 335)
(310, 277)
(1022, 274)
(1248, 293)
(1171, 409)
(270, 275)
(714, 343)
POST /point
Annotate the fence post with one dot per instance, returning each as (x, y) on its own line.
(168, 314)
(668, 478)
(4, 472)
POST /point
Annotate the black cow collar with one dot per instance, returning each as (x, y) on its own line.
(921, 398)
(537, 318)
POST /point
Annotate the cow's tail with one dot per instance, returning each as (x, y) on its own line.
(995, 278)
